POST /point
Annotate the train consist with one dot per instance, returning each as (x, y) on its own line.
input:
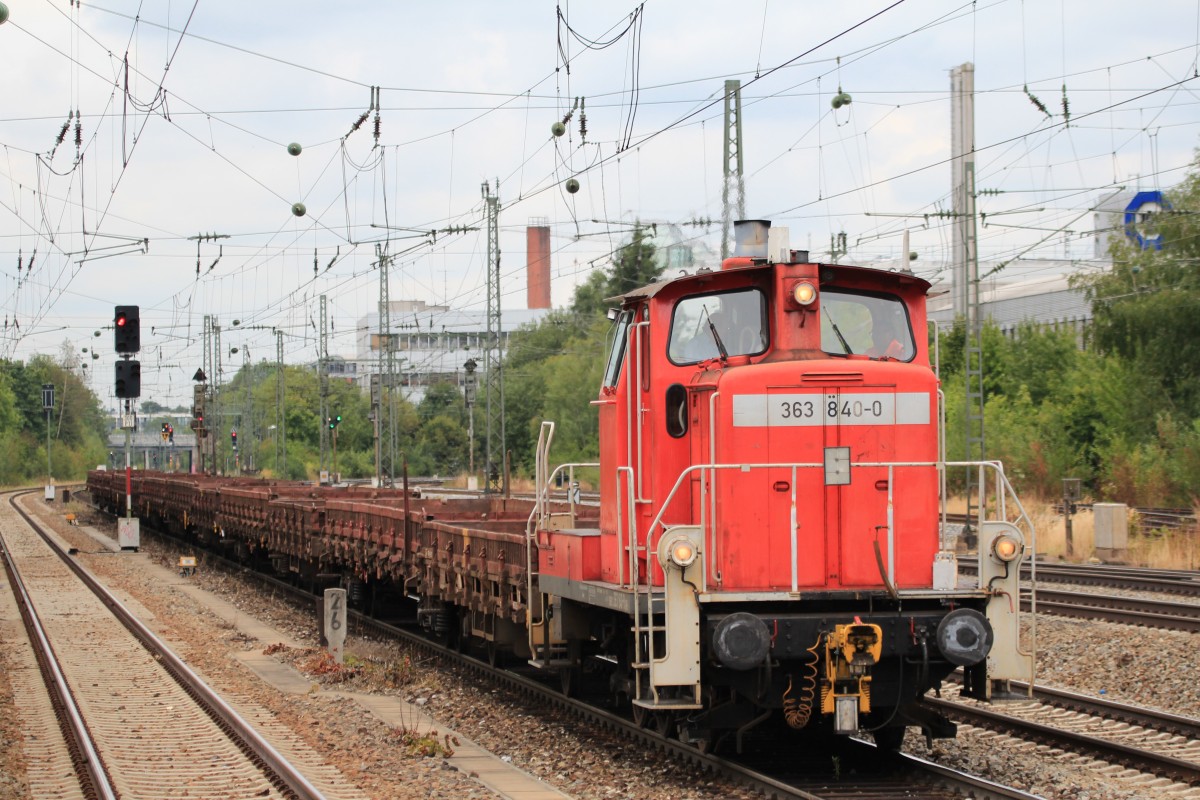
(767, 546)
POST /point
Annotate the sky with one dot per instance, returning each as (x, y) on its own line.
(177, 192)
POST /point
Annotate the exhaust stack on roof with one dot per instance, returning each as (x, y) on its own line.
(750, 238)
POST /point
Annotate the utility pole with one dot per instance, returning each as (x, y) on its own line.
(376, 417)
(247, 423)
(966, 274)
(218, 444)
(837, 246)
(48, 407)
(323, 386)
(207, 369)
(733, 190)
(469, 397)
(335, 476)
(280, 411)
(497, 475)
(387, 374)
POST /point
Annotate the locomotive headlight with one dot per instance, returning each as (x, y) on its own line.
(804, 293)
(1006, 548)
(683, 552)
(680, 551)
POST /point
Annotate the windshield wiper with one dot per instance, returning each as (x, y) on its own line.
(837, 332)
(716, 337)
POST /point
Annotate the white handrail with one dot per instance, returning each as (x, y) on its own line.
(1004, 490)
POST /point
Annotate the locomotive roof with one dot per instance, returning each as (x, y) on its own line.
(859, 275)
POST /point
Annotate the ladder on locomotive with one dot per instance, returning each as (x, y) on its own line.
(545, 653)
(649, 614)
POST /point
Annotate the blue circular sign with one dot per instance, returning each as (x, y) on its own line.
(1138, 213)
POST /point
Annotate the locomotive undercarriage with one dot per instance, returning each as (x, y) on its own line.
(787, 687)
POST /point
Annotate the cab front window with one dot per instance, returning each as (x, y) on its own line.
(718, 325)
(874, 325)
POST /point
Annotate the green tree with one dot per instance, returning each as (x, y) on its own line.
(443, 442)
(572, 380)
(442, 399)
(77, 426)
(553, 369)
(634, 264)
(527, 371)
(1145, 308)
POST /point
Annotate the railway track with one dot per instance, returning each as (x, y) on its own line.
(804, 776)
(1112, 608)
(1149, 718)
(1150, 741)
(1185, 583)
(1147, 612)
(138, 723)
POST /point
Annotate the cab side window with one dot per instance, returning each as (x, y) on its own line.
(677, 410)
(718, 325)
(616, 351)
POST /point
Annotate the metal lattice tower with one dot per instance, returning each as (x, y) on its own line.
(385, 458)
(966, 266)
(217, 443)
(280, 412)
(206, 356)
(323, 384)
(246, 424)
(733, 190)
(206, 366)
(497, 477)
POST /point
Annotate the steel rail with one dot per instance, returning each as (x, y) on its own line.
(1180, 582)
(1152, 718)
(89, 766)
(282, 773)
(1112, 608)
(1115, 752)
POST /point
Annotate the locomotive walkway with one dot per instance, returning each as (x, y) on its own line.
(499, 776)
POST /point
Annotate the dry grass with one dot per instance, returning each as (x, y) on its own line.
(1168, 549)
(1178, 549)
(523, 485)
(1052, 533)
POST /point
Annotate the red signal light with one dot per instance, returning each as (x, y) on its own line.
(126, 328)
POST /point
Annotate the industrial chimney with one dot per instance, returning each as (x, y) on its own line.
(537, 262)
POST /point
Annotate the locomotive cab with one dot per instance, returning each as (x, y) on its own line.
(771, 480)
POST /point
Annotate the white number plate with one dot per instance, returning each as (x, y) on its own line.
(845, 408)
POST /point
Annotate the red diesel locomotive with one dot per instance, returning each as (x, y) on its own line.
(769, 541)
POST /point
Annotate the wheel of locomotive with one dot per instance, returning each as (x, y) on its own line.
(492, 650)
(889, 739)
(642, 717)
(570, 679)
(451, 637)
(664, 724)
